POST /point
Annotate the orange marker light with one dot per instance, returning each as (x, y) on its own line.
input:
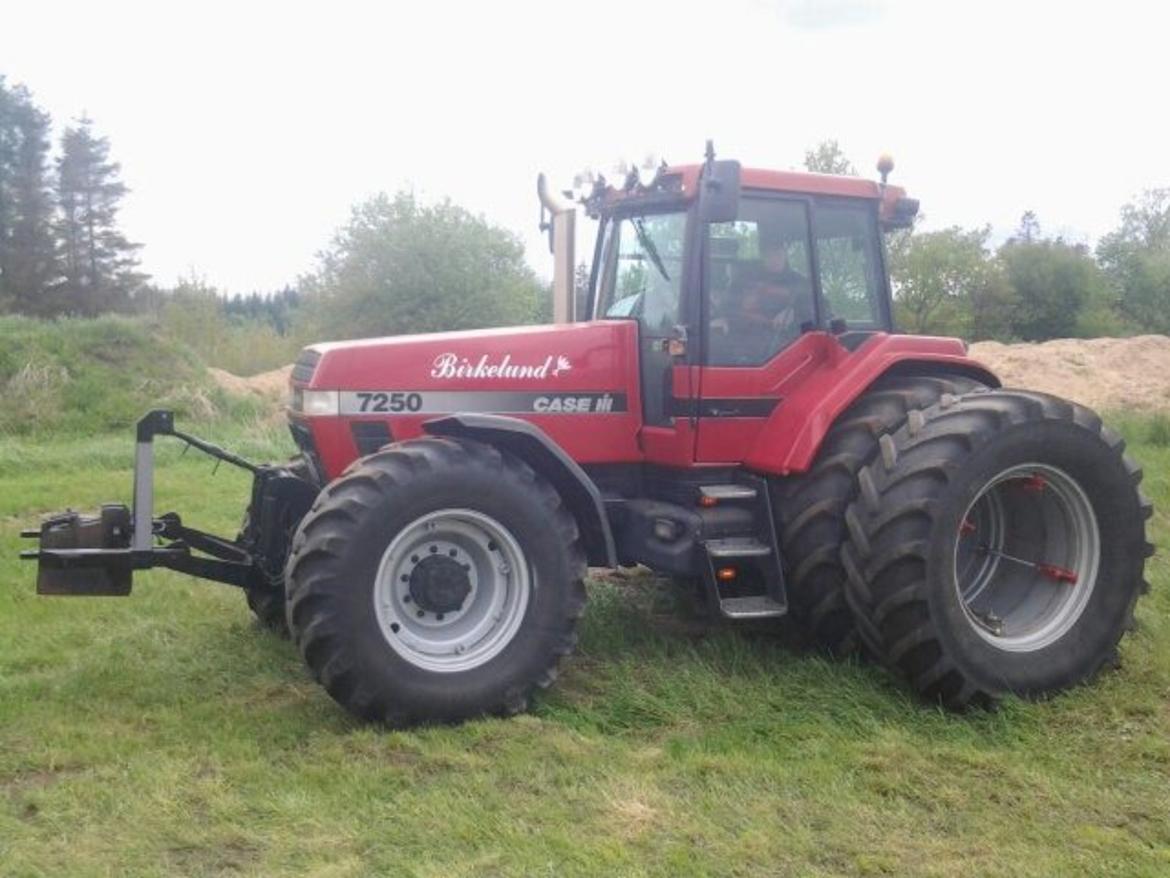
(725, 574)
(707, 501)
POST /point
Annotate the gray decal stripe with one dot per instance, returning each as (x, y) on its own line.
(374, 402)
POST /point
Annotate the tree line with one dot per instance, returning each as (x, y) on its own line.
(61, 249)
(1031, 286)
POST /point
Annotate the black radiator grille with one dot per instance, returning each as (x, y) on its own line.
(369, 436)
(305, 366)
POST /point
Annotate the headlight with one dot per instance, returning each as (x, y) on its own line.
(315, 402)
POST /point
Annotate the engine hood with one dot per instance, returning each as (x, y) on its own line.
(595, 356)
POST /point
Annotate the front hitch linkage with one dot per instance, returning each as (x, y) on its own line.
(88, 555)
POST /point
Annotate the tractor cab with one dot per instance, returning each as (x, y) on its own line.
(743, 283)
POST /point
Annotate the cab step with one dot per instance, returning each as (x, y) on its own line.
(744, 576)
(757, 606)
(713, 494)
(737, 547)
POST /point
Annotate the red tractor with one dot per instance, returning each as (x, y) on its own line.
(734, 411)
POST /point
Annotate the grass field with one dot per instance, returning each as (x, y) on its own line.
(164, 734)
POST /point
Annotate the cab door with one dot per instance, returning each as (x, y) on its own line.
(773, 280)
(759, 293)
(645, 278)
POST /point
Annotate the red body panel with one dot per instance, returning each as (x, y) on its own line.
(601, 358)
(814, 380)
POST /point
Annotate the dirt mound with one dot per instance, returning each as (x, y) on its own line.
(1108, 374)
(273, 384)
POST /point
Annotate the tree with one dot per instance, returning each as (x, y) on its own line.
(98, 263)
(399, 266)
(947, 283)
(27, 257)
(827, 157)
(1054, 284)
(1029, 230)
(1136, 259)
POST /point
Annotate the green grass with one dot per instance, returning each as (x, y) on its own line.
(83, 377)
(164, 734)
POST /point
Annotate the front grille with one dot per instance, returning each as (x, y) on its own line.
(369, 436)
(305, 366)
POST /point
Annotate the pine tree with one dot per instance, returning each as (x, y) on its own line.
(27, 254)
(98, 262)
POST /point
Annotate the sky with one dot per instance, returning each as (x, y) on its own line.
(247, 130)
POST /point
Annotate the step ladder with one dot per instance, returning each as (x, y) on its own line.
(744, 577)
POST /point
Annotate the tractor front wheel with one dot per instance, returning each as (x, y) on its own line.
(435, 581)
(997, 547)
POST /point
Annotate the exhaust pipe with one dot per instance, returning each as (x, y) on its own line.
(558, 217)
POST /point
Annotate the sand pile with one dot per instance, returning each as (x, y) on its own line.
(273, 385)
(1108, 374)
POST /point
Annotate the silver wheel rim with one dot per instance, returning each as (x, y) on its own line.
(498, 585)
(1026, 557)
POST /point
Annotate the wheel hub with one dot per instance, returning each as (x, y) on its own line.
(451, 590)
(1026, 557)
(439, 584)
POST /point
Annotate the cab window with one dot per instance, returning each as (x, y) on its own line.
(759, 282)
(848, 264)
(643, 278)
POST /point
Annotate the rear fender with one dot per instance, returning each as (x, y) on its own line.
(532, 445)
(790, 439)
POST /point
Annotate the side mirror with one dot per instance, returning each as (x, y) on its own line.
(719, 192)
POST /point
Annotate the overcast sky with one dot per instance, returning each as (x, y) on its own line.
(247, 130)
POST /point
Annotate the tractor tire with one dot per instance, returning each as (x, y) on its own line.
(265, 596)
(997, 547)
(436, 580)
(811, 506)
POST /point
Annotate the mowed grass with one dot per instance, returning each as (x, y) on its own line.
(164, 734)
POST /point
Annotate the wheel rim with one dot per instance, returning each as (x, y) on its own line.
(1026, 557)
(451, 591)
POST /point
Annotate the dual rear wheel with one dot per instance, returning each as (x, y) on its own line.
(996, 546)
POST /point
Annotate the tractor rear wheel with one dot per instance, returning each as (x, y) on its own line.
(997, 547)
(812, 506)
(436, 580)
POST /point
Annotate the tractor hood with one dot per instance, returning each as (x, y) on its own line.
(595, 356)
(577, 382)
(517, 370)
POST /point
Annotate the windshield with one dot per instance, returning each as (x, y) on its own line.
(643, 271)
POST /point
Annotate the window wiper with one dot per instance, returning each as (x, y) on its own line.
(648, 246)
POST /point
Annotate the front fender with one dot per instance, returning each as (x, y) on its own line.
(532, 445)
(790, 439)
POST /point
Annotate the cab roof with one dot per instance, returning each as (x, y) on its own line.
(798, 182)
(681, 183)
